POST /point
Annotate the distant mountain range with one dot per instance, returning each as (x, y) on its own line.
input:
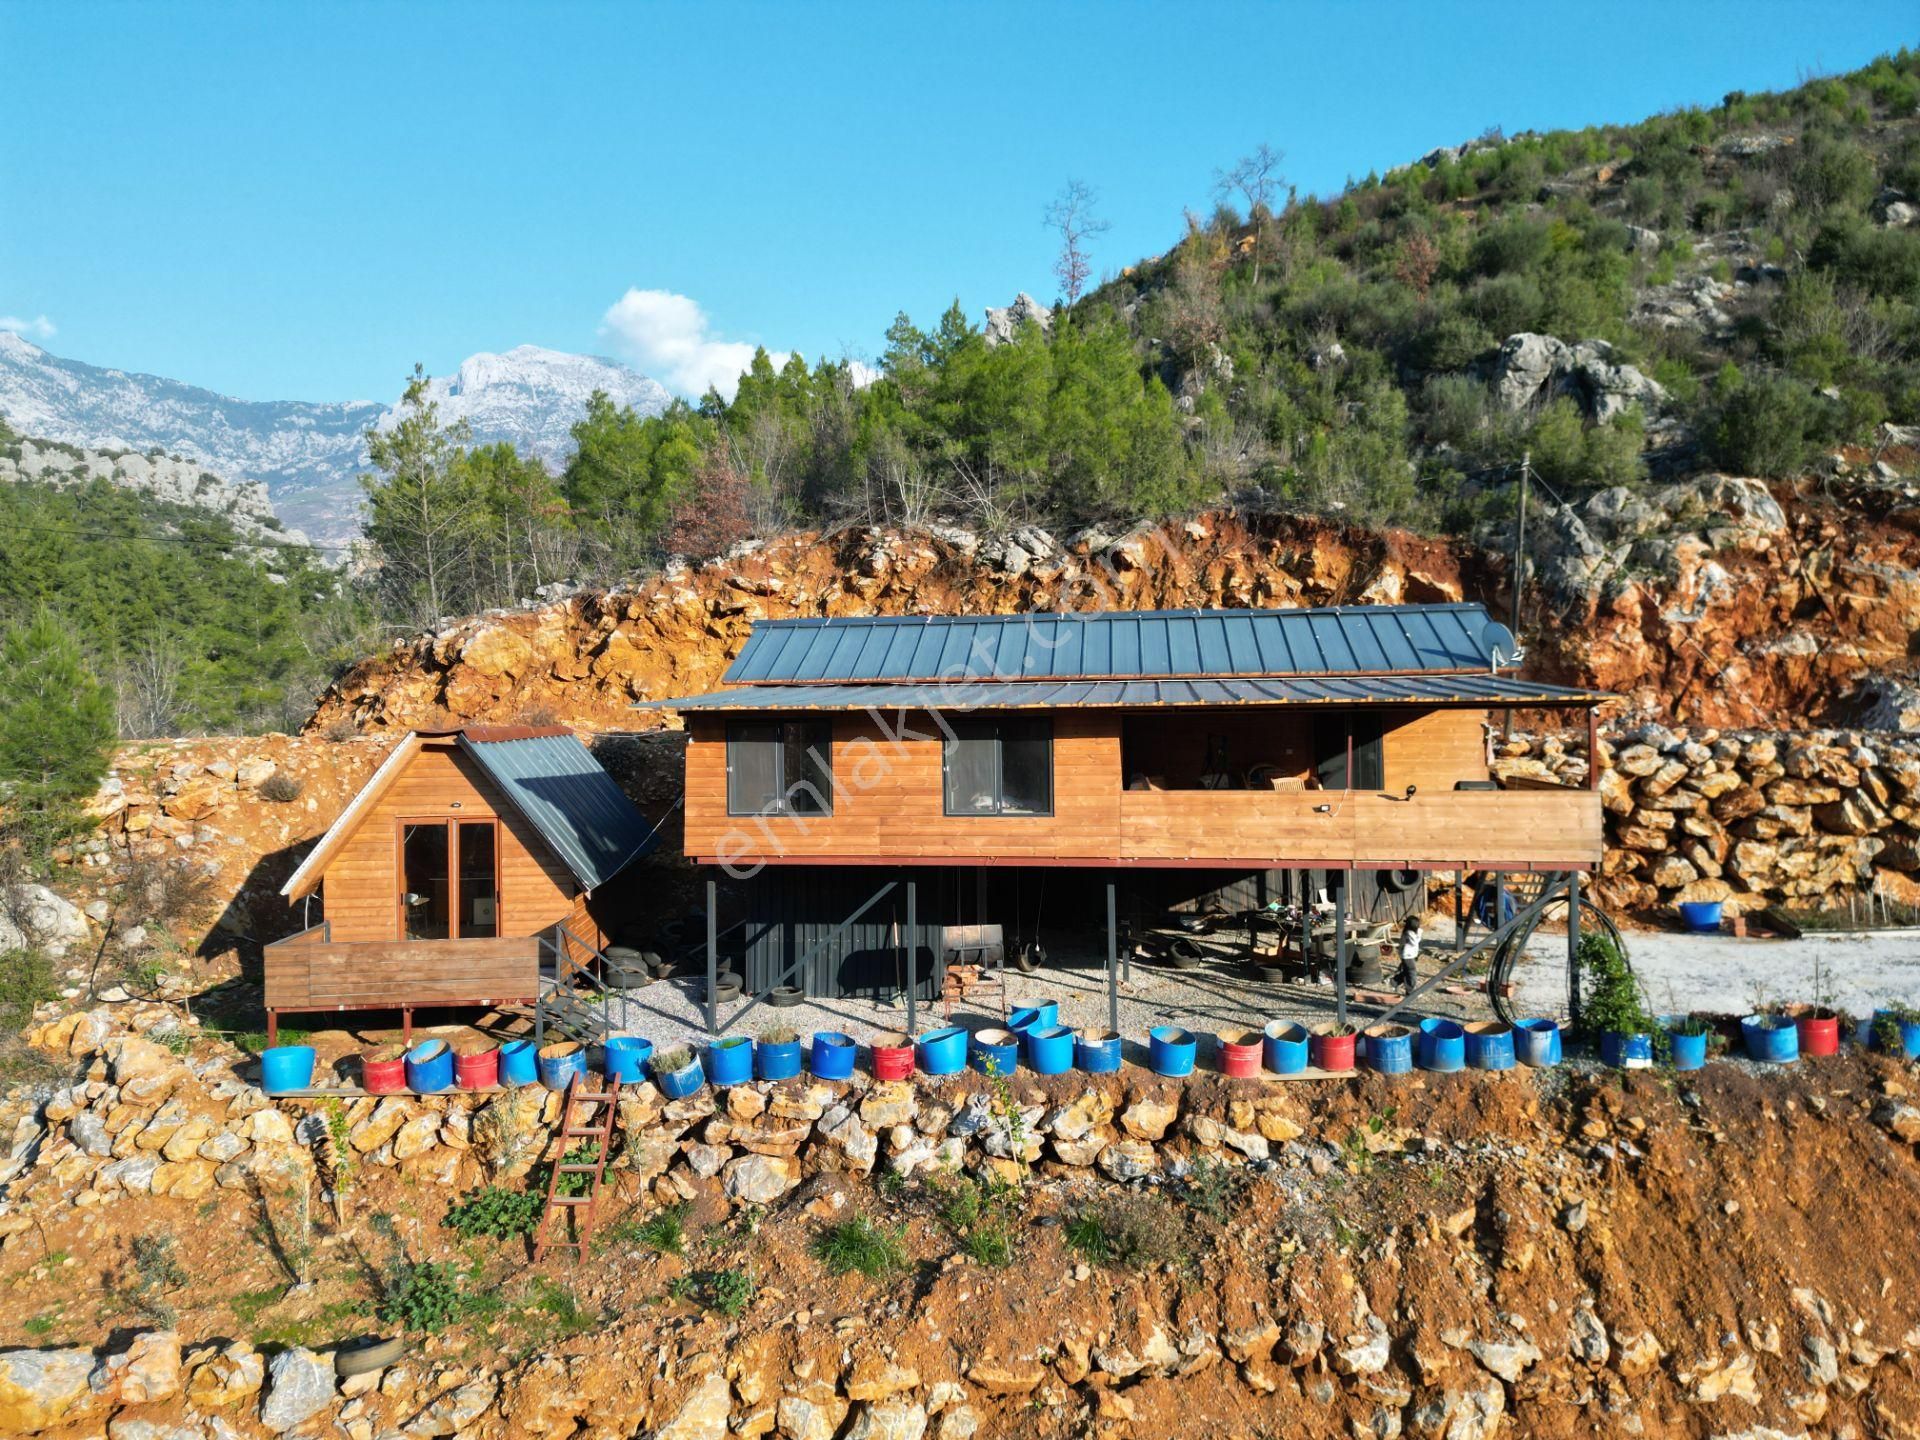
(306, 453)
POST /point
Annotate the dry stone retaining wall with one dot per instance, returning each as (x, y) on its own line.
(1751, 818)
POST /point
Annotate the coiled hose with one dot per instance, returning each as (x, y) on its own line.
(1507, 955)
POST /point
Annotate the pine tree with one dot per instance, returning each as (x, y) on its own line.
(422, 511)
(56, 730)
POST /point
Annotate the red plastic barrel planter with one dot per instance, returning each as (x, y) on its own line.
(477, 1071)
(1240, 1052)
(1819, 1034)
(384, 1071)
(1331, 1052)
(892, 1056)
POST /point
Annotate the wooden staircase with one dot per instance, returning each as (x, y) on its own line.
(603, 1106)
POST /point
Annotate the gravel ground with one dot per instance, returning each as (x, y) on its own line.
(1719, 974)
(1223, 993)
(1682, 972)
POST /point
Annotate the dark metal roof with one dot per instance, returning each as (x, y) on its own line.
(555, 782)
(1493, 690)
(1345, 640)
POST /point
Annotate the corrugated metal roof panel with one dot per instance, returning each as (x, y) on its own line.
(1495, 690)
(1368, 639)
(565, 794)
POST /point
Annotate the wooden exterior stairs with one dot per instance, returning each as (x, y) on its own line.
(603, 1106)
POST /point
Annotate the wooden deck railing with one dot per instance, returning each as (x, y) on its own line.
(1481, 829)
(307, 972)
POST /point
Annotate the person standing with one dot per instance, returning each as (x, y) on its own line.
(1409, 954)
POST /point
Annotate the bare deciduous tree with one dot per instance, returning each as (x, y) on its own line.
(1255, 179)
(147, 689)
(1071, 215)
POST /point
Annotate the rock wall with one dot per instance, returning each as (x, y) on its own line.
(1750, 818)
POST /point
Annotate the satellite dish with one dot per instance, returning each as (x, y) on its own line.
(1497, 640)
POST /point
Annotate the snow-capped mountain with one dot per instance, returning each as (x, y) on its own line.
(307, 454)
(533, 396)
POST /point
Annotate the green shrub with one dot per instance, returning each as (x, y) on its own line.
(26, 980)
(1764, 424)
(496, 1213)
(1129, 1230)
(860, 1246)
(731, 1291)
(1567, 451)
(422, 1295)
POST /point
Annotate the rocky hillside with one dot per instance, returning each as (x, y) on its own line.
(1707, 600)
(306, 454)
(245, 505)
(1543, 1254)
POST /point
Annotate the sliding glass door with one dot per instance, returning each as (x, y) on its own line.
(449, 879)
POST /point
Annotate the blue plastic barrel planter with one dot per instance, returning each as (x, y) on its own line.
(1034, 1014)
(1097, 1052)
(519, 1065)
(776, 1055)
(1389, 1049)
(627, 1057)
(1689, 1051)
(942, 1051)
(1701, 917)
(1285, 1047)
(833, 1055)
(1896, 1031)
(430, 1067)
(1537, 1043)
(1170, 1050)
(1443, 1045)
(1490, 1045)
(677, 1072)
(287, 1067)
(995, 1052)
(1774, 1039)
(730, 1060)
(1624, 1051)
(559, 1063)
(1049, 1049)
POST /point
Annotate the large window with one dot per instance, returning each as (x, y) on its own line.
(1338, 738)
(999, 767)
(450, 879)
(780, 767)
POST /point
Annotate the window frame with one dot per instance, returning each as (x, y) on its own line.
(452, 824)
(783, 786)
(1042, 724)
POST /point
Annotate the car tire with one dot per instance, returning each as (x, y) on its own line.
(368, 1354)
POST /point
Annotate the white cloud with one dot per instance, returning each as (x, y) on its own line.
(39, 327)
(670, 338)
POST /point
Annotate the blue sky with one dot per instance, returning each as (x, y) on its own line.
(299, 201)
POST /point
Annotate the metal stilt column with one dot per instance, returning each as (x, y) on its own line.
(1113, 961)
(1573, 947)
(913, 957)
(713, 957)
(1340, 951)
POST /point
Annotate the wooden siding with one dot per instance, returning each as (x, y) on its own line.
(362, 882)
(888, 804)
(303, 973)
(1434, 748)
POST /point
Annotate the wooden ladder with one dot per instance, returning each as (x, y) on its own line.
(580, 1207)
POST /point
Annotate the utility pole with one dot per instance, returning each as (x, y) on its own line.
(1520, 542)
(1519, 567)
